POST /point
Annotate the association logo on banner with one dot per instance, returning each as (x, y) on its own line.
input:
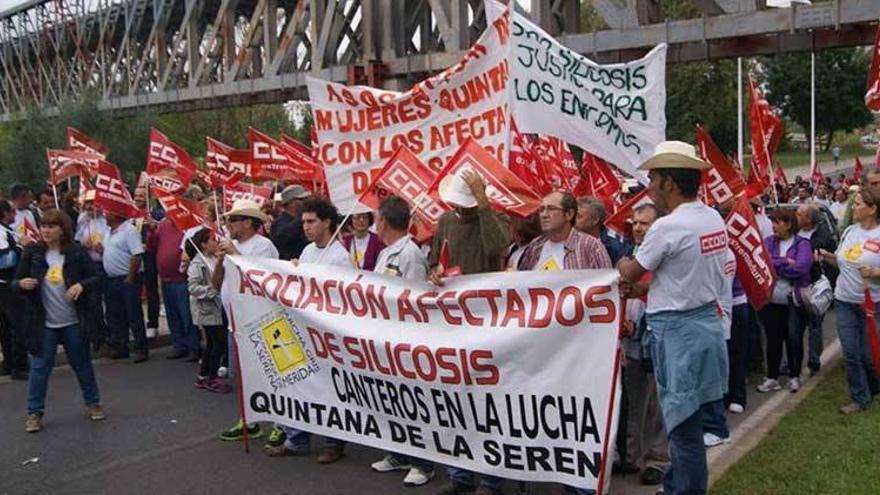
(280, 347)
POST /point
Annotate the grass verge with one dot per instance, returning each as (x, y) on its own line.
(814, 449)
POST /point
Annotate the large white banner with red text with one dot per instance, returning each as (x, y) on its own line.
(496, 373)
(359, 128)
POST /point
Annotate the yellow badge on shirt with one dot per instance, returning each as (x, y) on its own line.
(853, 254)
(21, 230)
(357, 258)
(96, 238)
(550, 266)
(55, 276)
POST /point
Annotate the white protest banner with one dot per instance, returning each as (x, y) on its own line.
(359, 128)
(497, 373)
(615, 111)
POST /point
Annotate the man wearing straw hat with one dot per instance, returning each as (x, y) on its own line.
(243, 221)
(476, 239)
(686, 252)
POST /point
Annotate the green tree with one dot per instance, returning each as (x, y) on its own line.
(702, 93)
(840, 89)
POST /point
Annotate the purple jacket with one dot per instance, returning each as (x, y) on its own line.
(801, 251)
(374, 246)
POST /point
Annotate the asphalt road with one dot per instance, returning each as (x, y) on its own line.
(161, 437)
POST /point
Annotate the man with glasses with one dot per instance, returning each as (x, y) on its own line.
(243, 221)
(561, 246)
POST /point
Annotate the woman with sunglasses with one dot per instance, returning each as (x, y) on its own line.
(55, 275)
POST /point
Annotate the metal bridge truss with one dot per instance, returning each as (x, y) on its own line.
(180, 55)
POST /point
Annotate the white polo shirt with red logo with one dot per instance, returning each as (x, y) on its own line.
(686, 251)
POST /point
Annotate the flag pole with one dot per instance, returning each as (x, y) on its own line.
(812, 111)
(55, 193)
(739, 108)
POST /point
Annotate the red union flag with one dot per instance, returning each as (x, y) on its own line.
(225, 165)
(237, 191)
(170, 164)
(721, 182)
(505, 190)
(524, 163)
(270, 160)
(184, 213)
(620, 220)
(306, 169)
(872, 95)
(70, 163)
(598, 179)
(858, 170)
(816, 175)
(78, 141)
(407, 177)
(753, 267)
(780, 177)
(766, 130)
(111, 194)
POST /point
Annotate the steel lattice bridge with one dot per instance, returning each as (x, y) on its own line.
(181, 55)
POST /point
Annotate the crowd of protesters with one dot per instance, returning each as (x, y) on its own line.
(691, 338)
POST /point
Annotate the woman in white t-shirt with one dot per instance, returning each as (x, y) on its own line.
(858, 257)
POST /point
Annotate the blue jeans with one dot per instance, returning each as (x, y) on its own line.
(184, 335)
(714, 420)
(124, 313)
(299, 440)
(464, 477)
(689, 472)
(863, 382)
(76, 345)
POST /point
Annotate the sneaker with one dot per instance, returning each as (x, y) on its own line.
(283, 451)
(453, 488)
(33, 423)
(417, 477)
(96, 413)
(201, 382)
(735, 408)
(237, 432)
(713, 440)
(651, 476)
(850, 409)
(389, 463)
(329, 455)
(276, 437)
(794, 385)
(152, 332)
(222, 372)
(218, 386)
(769, 385)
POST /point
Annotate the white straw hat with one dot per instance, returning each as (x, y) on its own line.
(675, 154)
(247, 208)
(455, 191)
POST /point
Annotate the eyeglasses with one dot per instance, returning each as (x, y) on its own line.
(549, 208)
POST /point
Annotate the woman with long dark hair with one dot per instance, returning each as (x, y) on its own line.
(55, 275)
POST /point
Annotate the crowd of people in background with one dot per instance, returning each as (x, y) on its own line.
(79, 277)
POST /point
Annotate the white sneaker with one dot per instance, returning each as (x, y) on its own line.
(152, 332)
(735, 408)
(387, 464)
(221, 372)
(417, 477)
(794, 385)
(713, 440)
(769, 385)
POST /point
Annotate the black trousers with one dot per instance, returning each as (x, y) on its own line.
(738, 354)
(215, 349)
(11, 332)
(783, 326)
(151, 284)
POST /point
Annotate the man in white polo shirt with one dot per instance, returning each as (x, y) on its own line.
(685, 251)
(121, 254)
(401, 258)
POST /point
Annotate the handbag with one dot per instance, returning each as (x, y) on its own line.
(818, 296)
